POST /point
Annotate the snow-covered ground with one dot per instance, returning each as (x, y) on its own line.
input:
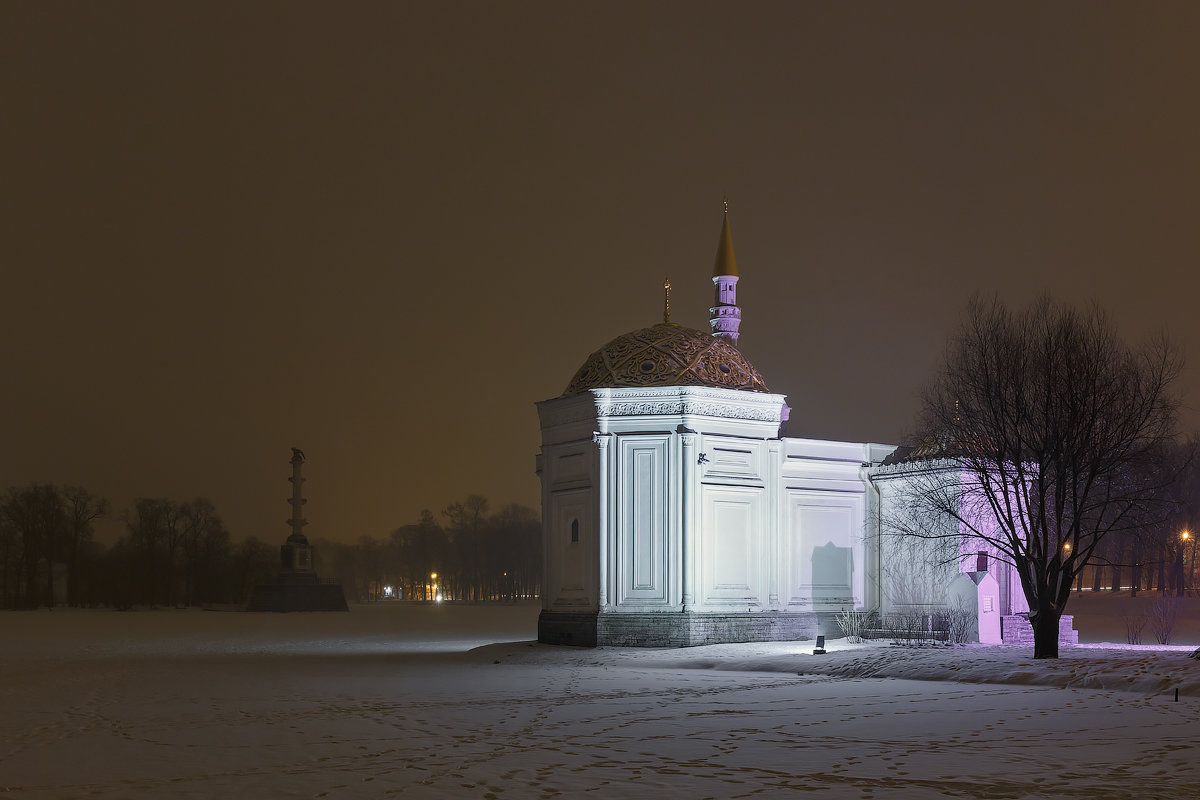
(456, 701)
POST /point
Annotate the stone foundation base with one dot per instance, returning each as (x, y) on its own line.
(310, 597)
(678, 629)
(1016, 630)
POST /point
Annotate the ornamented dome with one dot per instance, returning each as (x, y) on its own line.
(667, 355)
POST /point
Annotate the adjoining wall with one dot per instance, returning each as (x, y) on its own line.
(828, 555)
(925, 548)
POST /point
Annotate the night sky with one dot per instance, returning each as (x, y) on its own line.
(381, 231)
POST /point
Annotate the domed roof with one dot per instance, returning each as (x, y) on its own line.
(667, 355)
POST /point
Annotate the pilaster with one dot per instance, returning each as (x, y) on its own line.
(688, 539)
(603, 534)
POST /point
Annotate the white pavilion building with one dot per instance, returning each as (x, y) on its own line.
(674, 514)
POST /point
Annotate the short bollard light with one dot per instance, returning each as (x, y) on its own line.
(819, 650)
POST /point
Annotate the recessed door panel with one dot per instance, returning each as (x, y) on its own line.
(731, 547)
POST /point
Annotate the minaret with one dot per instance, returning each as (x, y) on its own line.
(725, 317)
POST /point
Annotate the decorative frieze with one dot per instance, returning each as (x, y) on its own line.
(697, 401)
(699, 409)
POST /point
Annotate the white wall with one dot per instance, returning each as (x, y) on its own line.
(687, 499)
(827, 557)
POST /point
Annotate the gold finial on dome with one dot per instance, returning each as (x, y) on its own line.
(667, 301)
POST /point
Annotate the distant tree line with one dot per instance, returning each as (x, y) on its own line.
(173, 553)
(1157, 553)
(474, 556)
(181, 554)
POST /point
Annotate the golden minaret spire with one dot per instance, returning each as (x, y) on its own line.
(667, 301)
(725, 317)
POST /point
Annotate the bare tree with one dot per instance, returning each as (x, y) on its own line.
(1052, 424)
(467, 531)
(421, 550)
(81, 508)
(1181, 532)
(914, 577)
(148, 527)
(10, 558)
(515, 552)
(252, 562)
(36, 516)
(202, 538)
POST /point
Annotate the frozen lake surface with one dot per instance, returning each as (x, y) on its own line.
(457, 702)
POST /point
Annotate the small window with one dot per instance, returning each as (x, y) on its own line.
(574, 531)
(981, 561)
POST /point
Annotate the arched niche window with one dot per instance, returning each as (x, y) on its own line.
(574, 531)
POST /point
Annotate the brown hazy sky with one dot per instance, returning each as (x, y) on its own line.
(381, 231)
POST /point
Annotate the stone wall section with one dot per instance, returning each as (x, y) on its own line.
(673, 629)
(1016, 630)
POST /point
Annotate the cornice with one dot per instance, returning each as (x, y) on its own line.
(699, 401)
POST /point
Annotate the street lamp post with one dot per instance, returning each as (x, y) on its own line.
(1185, 574)
(1079, 575)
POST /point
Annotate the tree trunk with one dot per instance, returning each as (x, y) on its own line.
(31, 564)
(1115, 553)
(1045, 632)
(72, 578)
(50, 579)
